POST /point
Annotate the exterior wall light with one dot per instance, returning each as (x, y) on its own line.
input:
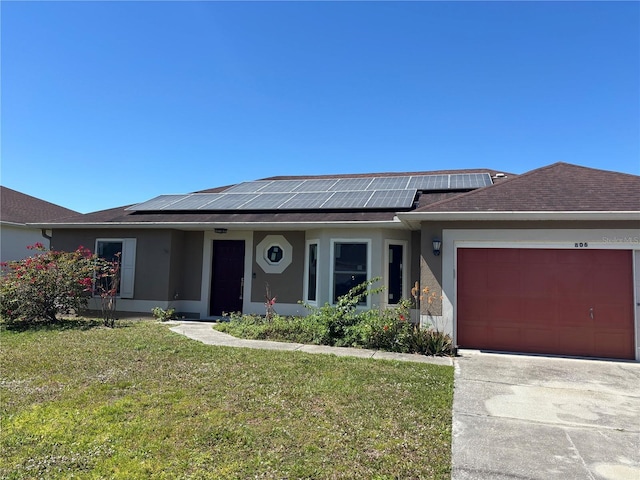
(437, 243)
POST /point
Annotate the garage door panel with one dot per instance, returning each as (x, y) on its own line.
(542, 302)
(539, 338)
(503, 280)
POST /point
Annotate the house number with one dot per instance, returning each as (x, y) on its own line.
(581, 245)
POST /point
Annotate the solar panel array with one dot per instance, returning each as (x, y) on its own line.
(393, 192)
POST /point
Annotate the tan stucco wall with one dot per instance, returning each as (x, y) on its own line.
(154, 279)
(286, 286)
(185, 276)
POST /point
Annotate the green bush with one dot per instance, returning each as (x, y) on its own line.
(163, 315)
(344, 325)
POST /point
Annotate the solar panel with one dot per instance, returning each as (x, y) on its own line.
(316, 185)
(389, 183)
(249, 187)
(229, 201)
(192, 202)
(157, 203)
(392, 199)
(326, 193)
(429, 182)
(469, 180)
(281, 186)
(351, 184)
(306, 201)
(347, 200)
(267, 201)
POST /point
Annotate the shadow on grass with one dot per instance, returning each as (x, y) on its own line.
(65, 323)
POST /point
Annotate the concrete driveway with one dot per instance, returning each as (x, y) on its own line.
(529, 417)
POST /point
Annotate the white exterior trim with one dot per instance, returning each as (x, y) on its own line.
(405, 268)
(452, 239)
(305, 289)
(263, 247)
(127, 264)
(519, 215)
(332, 243)
(207, 257)
(395, 224)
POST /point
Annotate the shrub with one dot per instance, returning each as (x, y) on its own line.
(343, 325)
(163, 315)
(46, 284)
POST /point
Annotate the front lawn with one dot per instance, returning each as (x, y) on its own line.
(139, 401)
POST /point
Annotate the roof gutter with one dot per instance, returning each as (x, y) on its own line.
(518, 215)
(394, 224)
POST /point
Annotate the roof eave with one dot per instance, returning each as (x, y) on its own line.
(519, 215)
(393, 224)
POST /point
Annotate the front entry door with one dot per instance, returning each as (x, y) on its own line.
(227, 272)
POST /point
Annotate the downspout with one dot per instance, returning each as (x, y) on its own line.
(46, 234)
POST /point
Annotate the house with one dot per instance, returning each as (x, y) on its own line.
(544, 262)
(16, 211)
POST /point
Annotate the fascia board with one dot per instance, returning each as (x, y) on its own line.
(394, 224)
(519, 215)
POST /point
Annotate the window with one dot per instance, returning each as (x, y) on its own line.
(395, 273)
(108, 248)
(274, 254)
(350, 267)
(312, 272)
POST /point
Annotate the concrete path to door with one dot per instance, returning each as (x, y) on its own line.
(530, 418)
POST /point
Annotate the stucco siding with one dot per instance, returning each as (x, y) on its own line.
(14, 240)
(153, 252)
(288, 285)
(186, 265)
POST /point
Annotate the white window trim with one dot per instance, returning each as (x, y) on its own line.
(315, 242)
(263, 247)
(366, 241)
(405, 270)
(127, 264)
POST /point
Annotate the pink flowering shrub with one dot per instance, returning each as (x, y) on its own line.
(46, 284)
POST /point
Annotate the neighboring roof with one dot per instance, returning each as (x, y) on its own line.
(121, 217)
(19, 208)
(560, 188)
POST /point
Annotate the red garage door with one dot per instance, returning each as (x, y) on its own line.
(568, 302)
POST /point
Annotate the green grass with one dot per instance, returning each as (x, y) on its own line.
(140, 401)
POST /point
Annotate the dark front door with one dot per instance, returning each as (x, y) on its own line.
(227, 271)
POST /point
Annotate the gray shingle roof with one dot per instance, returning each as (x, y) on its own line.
(17, 207)
(560, 187)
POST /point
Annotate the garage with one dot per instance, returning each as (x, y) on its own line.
(550, 301)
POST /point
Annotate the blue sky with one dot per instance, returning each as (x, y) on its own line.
(112, 103)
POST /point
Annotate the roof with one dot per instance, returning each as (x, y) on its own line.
(20, 208)
(556, 192)
(192, 219)
(560, 187)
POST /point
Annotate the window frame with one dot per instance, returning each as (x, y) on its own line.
(127, 264)
(306, 291)
(332, 272)
(405, 270)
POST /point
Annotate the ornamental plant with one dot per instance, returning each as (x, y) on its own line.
(46, 284)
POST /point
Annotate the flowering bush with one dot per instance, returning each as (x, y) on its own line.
(46, 284)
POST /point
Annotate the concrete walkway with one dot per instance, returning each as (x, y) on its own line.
(203, 332)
